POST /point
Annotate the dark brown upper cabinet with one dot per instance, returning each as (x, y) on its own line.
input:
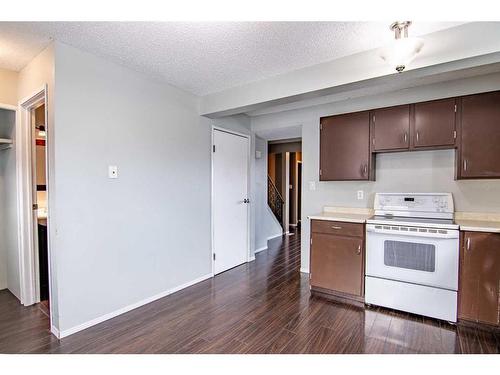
(345, 147)
(478, 291)
(391, 128)
(479, 151)
(434, 124)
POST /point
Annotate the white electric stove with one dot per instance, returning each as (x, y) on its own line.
(412, 254)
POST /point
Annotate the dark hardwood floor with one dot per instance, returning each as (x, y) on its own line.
(260, 307)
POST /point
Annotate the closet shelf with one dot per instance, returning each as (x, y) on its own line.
(5, 143)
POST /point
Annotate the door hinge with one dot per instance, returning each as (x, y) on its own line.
(320, 172)
(454, 134)
(214, 256)
(213, 148)
(35, 206)
(455, 107)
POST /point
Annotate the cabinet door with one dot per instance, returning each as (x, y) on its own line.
(337, 263)
(391, 128)
(480, 277)
(480, 139)
(345, 147)
(434, 123)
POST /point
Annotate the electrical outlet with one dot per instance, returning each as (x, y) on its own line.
(312, 185)
(361, 194)
(112, 171)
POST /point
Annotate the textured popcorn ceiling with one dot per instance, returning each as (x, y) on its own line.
(203, 58)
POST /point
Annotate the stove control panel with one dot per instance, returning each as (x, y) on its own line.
(414, 204)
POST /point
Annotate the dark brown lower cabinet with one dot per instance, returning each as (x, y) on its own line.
(337, 259)
(479, 282)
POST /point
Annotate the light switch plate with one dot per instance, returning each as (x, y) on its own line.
(112, 171)
(312, 185)
(360, 194)
(258, 154)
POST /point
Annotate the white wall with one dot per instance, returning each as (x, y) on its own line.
(266, 225)
(412, 171)
(122, 241)
(9, 268)
(8, 87)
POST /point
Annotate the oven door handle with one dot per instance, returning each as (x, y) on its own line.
(451, 233)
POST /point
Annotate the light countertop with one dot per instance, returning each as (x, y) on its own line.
(479, 225)
(472, 222)
(345, 214)
(478, 221)
(345, 217)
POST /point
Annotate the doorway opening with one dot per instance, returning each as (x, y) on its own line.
(33, 197)
(39, 184)
(284, 182)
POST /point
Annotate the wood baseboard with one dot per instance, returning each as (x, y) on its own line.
(478, 325)
(340, 297)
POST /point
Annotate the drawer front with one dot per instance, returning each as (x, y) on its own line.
(339, 228)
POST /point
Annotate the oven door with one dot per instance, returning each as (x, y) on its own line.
(415, 255)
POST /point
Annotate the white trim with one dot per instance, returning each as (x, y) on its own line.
(304, 270)
(28, 257)
(275, 236)
(128, 308)
(250, 257)
(260, 249)
(24, 178)
(55, 331)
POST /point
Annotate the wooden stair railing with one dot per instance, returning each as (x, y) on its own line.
(275, 200)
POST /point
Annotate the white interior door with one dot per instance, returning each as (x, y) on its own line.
(230, 200)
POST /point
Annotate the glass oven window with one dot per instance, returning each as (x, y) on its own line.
(413, 256)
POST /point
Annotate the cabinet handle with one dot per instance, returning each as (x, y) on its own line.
(359, 250)
(467, 246)
(465, 164)
(417, 136)
(365, 169)
(406, 137)
(336, 227)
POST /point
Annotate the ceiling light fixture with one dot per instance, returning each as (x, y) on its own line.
(404, 49)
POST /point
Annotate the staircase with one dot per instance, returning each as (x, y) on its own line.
(275, 200)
